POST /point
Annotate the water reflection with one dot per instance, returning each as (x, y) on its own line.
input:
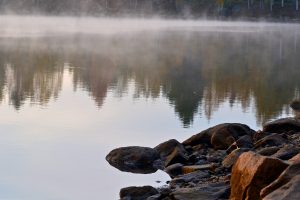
(195, 70)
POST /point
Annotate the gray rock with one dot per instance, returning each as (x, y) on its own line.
(243, 142)
(189, 178)
(271, 140)
(166, 148)
(268, 151)
(177, 156)
(282, 125)
(231, 159)
(287, 152)
(220, 136)
(215, 191)
(135, 159)
(137, 193)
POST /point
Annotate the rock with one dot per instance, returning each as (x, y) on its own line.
(294, 159)
(243, 142)
(253, 172)
(137, 193)
(177, 156)
(287, 152)
(268, 151)
(166, 148)
(174, 170)
(220, 136)
(271, 140)
(231, 159)
(286, 176)
(178, 169)
(190, 178)
(215, 191)
(295, 105)
(283, 125)
(215, 156)
(141, 160)
(289, 191)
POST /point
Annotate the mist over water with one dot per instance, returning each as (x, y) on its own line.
(72, 89)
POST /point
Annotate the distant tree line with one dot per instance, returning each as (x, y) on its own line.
(177, 8)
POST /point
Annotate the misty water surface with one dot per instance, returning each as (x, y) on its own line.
(72, 89)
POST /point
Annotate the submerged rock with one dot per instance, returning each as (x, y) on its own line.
(137, 193)
(142, 160)
(253, 172)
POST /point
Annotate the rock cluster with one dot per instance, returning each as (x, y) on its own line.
(227, 161)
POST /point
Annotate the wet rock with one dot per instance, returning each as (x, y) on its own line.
(220, 136)
(214, 191)
(177, 156)
(268, 151)
(231, 159)
(287, 152)
(286, 176)
(135, 159)
(166, 148)
(137, 193)
(243, 142)
(283, 125)
(271, 140)
(253, 172)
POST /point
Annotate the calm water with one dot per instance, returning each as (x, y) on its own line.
(71, 90)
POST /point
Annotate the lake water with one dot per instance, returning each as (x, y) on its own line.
(72, 89)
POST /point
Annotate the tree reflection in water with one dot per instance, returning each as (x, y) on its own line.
(195, 71)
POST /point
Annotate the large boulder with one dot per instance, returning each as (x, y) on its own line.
(283, 125)
(137, 193)
(142, 160)
(289, 191)
(286, 176)
(253, 172)
(220, 136)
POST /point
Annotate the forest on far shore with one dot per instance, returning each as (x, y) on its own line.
(281, 9)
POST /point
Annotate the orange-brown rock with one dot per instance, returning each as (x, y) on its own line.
(251, 173)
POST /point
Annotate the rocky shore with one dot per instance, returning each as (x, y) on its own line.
(227, 161)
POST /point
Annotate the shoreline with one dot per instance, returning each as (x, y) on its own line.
(221, 162)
